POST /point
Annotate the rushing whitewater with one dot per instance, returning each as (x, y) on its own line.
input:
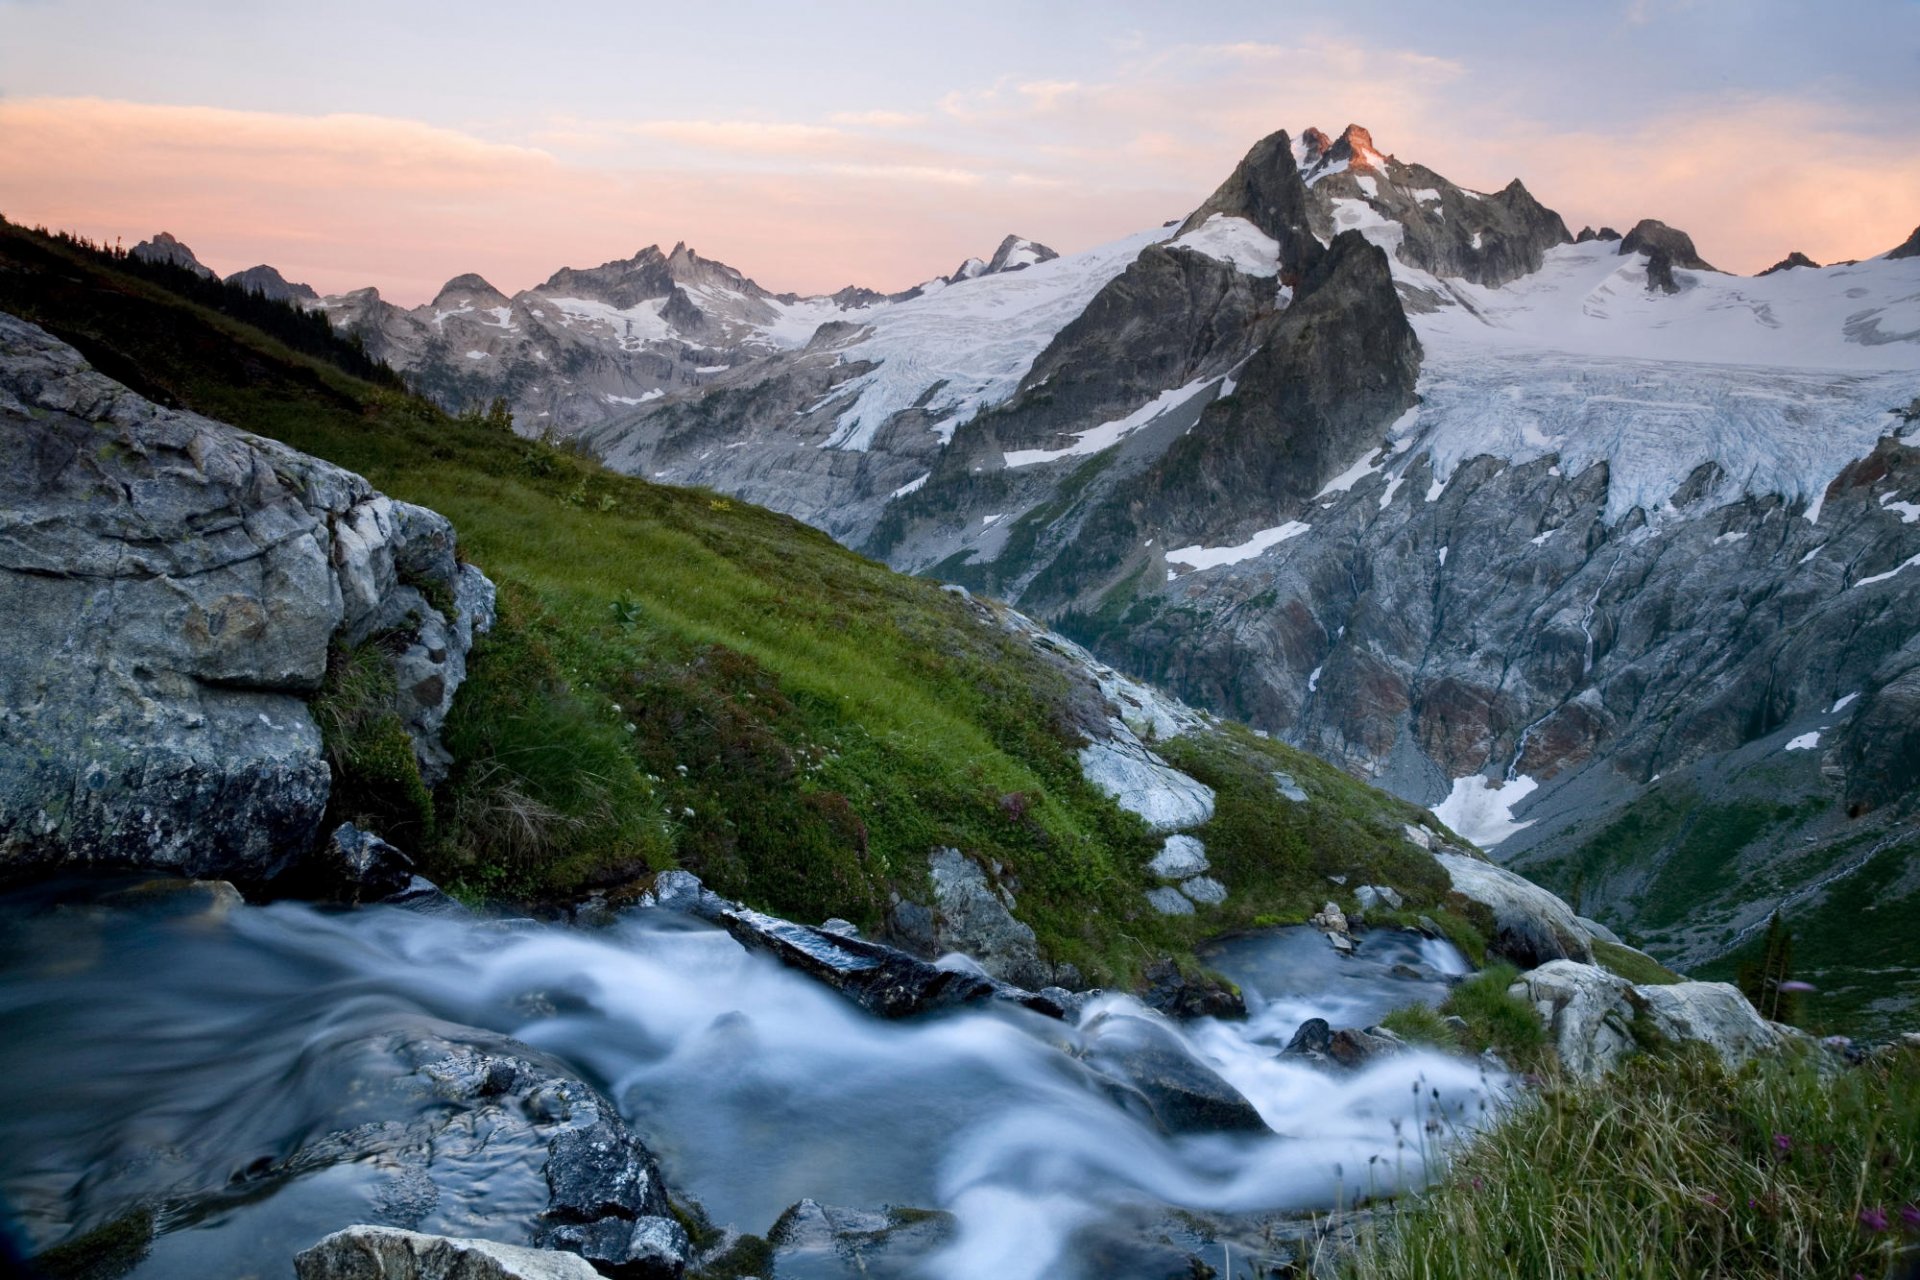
(146, 1045)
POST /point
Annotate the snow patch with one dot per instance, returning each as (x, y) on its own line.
(476, 355)
(1842, 705)
(1482, 811)
(911, 486)
(1198, 557)
(1909, 511)
(654, 394)
(1236, 242)
(1108, 434)
(1882, 577)
(1805, 742)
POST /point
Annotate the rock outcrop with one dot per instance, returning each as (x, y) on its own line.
(1908, 248)
(1649, 235)
(1531, 926)
(164, 248)
(1790, 262)
(1595, 1017)
(270, 284)
(173, 587)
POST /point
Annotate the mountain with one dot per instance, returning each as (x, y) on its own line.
(590, 344)
(1548, 531)
(269, 283)
(164, 248)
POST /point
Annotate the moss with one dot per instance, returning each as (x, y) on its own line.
(105, 1253)
(1636, 967)
(376, 775)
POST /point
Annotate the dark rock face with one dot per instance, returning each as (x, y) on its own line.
(1909, 248)
(164, 248)
(1660, 271)
(1266, 189)
(1788, 263)
(269, 283)
(1489, 241)
(1648, 235)
(1340, 366)
(173, 586)
(1179, 1092)
(1347, 1048)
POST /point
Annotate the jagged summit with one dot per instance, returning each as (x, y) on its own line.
(1788, 263)
(1266, 189)
(269, 283)
(1649, 235)
(1016, 253)
(1588, 234)
(1911, 249)
(164, 248)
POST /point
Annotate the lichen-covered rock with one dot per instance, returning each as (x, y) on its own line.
(1711, 1013)
(171, 587)
(1142, 783)
(387, 1253)
(1179, 857)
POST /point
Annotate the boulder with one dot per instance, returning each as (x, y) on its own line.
(1180, 996)
(1711, 1013)
(387, 1253)
(1169, 901)
(356, 866)
(1204, 890)
(974, 915)
(173, 587)
(1371, 896)
(1531, 926)
(1652, 236)
(1159, 1073)
(1179, 857)
(1587, 1011)
(1590, 1015)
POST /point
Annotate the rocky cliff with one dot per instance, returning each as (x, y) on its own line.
(173, 588)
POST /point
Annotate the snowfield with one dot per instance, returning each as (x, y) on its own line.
(975, 339)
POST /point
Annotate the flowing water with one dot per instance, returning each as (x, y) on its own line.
(148, 1052)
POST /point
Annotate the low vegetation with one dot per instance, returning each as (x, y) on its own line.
(1675, 1167)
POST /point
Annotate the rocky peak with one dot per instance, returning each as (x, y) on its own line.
(1355, 146)
(968, 270)
(269, 283)
(469, 288)
(1792, 260)
(1017, 253)
(1648, 235)
(1911, 249)
(1267, 190)
(1313, 145)
(164, 248)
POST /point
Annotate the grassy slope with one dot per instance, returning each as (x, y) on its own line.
(680, 678)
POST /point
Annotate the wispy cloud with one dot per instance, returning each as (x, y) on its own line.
(886, 193)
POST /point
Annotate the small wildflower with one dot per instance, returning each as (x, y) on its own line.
(1479, 1184)
(1874, 1219)
(1782, 1143)
(1910, 1217)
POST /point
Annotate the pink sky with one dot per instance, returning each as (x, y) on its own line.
(887, 195)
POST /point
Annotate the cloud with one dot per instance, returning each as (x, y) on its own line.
(889, 196)
(879, 119)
